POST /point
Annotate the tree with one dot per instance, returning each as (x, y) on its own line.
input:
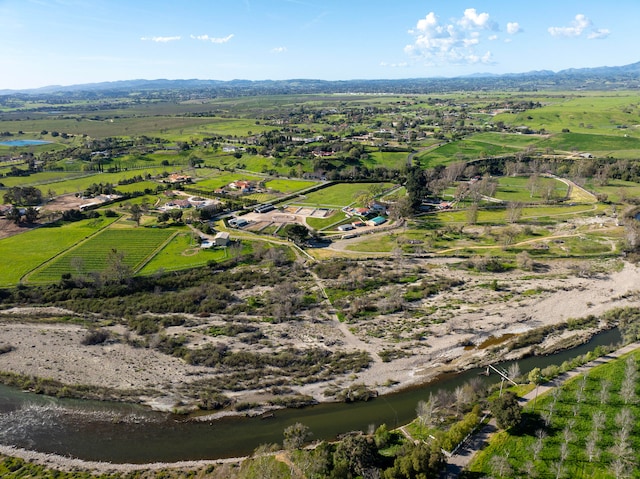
(136, 213)
(297, 233)
(117, 271)
(416, 186)
(507, 410)
(355, 454)
(295, 436)
(31, 214)
(472, 214)
(14, 215)
(514, 211)
(535, 377)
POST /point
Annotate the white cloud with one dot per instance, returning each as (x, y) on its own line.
(207, 38)
(493, 37)
(394, 65)
(513, 28)
(473, 19)
(598, 34)
(580, 25)
(455, 41)
(160, 39)
(279, 50)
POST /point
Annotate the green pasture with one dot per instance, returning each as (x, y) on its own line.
(616, 190)
(32, 248)
(467, 149)
(221, 179)
(92, 255)
(288, 186)
(107, 127)
(603, 144)
(518, 189)
(182, 252)
(74, 183)
(507, 140)
(600, 113)
(140, 186)
(42, 178)
(334, 196)
(387, 159)
(573, 415)
(497, 216)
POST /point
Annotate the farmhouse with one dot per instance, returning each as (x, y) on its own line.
(175, 178)
(242, 185)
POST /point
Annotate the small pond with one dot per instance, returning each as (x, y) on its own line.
(23, 142)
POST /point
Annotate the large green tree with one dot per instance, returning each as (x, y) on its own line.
(507, 410)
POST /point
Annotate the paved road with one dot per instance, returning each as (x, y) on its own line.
(459, 461)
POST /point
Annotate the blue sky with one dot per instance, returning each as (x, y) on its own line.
(64, 42)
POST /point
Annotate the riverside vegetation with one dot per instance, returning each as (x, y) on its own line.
(501, 206)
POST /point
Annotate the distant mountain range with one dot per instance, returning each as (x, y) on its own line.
(626, 76)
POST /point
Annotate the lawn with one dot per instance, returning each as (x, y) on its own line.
(289, 186)
(319, 224)
(32, 248)
(567, 439)
(334, 196)
(93, 255)
(223, 179)
(183, 252)
(387, 159)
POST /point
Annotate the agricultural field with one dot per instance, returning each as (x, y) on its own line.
(585, 429)
(97, 254)
(33, 248)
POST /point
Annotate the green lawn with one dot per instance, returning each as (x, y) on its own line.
(184, 252)
(32, 248)
(334, 196)
(223, 179)
(137, 245)
(289, 186)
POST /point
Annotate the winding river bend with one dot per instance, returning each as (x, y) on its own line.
(122, 433)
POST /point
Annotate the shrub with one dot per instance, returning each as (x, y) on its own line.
(95, 336)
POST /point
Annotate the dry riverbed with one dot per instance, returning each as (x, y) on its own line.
(461, 319)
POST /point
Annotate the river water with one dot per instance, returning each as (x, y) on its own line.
(123, 433)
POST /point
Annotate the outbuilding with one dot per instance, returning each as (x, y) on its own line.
(221, 238)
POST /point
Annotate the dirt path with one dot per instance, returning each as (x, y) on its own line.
(462, 458)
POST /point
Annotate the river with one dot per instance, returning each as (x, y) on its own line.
(121, 433)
